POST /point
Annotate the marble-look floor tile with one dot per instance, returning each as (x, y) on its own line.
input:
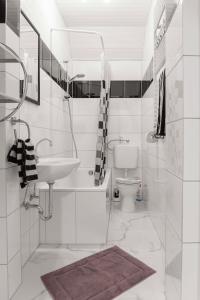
(132, 232)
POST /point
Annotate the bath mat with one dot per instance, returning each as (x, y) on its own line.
(102, 276)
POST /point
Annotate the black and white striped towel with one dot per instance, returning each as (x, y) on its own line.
(22, 154)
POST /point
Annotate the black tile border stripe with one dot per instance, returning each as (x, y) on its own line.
(10, 14)
(2, 11)
(148, 78)
(119, 89)
(133, 89)
(51, 66)
(92, 88)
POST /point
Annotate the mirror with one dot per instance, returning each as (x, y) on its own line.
(30, 55)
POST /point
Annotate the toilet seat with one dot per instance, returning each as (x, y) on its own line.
(128, 181)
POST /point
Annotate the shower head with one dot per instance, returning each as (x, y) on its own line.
(77, 76)
(70, 80)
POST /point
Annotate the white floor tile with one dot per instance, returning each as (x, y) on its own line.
(132, 232)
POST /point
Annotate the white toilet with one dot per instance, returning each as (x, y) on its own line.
(126, 157)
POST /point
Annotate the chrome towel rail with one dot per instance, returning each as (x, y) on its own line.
(14, 58)
(14, 121)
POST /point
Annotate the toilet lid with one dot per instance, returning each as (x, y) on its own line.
(128, 180)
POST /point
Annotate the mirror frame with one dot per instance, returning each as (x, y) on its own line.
(35, 101)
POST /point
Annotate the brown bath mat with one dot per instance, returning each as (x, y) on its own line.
(102, 276)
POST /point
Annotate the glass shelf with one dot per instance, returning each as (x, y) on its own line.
(8, 99)
(6, 57)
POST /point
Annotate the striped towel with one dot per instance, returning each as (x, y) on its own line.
(22, 154)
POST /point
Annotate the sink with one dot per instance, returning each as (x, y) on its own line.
(51, 169)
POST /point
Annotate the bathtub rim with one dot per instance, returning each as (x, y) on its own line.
(43, 187)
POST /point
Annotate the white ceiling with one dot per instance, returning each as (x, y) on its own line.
(84, 13)
(121, 23)
(120, 43)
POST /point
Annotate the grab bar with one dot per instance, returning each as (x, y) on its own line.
(14, 121)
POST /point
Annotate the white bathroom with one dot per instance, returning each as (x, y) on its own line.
(99, 149)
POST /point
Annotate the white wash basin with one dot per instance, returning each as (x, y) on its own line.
(51, 169)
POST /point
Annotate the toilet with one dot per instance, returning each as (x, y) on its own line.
(126, 157)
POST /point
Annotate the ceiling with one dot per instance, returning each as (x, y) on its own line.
(84, 13)
(120, 22)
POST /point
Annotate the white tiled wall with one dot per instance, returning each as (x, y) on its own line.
(49, 120)
(124, 114)
(122, 122)
(19, 228)
(179, 155)
(119, 43)
(153, 154)
(119, 69)
(173, 270)
(191, 212)
(4, 281)
(170, 170)
(14, 274)
(21, 240)
(10, 259)
(153, 166)
(183, 93)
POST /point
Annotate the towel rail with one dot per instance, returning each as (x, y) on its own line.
(14, 121)
(12, 57)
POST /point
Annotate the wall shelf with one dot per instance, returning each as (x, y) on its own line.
(7, 57)
(8, 99)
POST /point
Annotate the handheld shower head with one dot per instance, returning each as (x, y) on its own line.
(80, 75)
(77, 76)
(67, 95)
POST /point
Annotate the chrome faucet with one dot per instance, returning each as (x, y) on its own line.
(37, 145)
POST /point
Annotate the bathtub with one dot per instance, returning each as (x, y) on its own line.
(81, 210)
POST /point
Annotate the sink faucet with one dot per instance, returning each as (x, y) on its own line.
(37, 145)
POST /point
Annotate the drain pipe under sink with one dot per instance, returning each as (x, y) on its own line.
(27, 203)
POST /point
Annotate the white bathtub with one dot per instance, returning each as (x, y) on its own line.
(80, 180)
(81, 210)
